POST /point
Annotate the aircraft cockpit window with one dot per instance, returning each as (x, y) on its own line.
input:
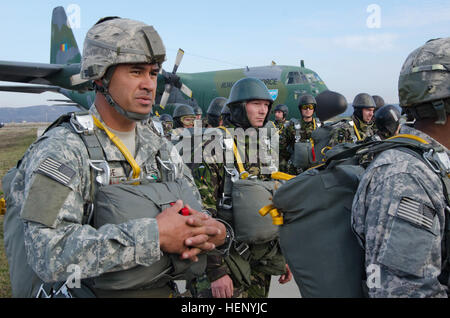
(312, 78)
(296, 78)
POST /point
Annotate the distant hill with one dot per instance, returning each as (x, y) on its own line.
(41, 113)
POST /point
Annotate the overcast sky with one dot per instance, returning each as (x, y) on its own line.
(355, 46)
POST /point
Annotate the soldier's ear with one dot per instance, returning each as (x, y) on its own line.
(98, 82)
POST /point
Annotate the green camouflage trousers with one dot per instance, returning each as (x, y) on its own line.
(259, 288)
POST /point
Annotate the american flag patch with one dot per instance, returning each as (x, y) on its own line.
(57, 171)
(416, 213)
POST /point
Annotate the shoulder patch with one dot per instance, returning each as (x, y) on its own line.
(56, 170)
(416, 213)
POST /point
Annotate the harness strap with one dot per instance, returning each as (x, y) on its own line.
(123, 149)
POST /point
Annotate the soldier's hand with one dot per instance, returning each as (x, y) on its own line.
(286, 277)
(222, 288)
(175, 230)
(215, 230)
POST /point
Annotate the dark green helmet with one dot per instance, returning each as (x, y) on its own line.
(216, 106)
(379, 101)
(225, 111)
(363, 100)
(423, 85)
(198, 110)
(165, 118)
(183, 110)
(247, 89)
(307, 99)
(387, 120)
(283, 108)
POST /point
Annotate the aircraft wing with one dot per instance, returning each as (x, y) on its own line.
(32, 89)
(24, 72)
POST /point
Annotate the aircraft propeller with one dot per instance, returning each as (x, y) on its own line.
(173, 80)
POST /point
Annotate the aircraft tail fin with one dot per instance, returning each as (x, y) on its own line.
(63, 48)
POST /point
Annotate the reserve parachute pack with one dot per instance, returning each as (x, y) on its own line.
(136, 201)
(240, 192)
(316, 237)
(256, 243)
(304, 152)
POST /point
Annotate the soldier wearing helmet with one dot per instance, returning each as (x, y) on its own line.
(111, 144)
(360, 126)
(214, 112)
(280, 112)
(400, 210)
(298, 131)
(379, 102)
(183, 116)
(244, 272)
(167, 123)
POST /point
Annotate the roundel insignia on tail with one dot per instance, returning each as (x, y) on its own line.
(273, 93)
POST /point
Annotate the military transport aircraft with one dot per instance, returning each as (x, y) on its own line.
(285, 83)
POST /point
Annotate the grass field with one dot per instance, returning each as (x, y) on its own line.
(14, 140)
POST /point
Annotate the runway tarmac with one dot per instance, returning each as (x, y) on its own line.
(288, 290)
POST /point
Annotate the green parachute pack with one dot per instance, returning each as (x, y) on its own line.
(114, 204)
(316, 235)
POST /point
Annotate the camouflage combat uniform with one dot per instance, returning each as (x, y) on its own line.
(287, 142)
(209, 179)
(279, 124)
(346, 133)
(398, 214)
(53, 206)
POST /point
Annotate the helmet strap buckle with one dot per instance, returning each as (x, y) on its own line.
(439, 107)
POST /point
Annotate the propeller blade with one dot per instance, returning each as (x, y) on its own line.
(178, 60)
(164, 98)
(186, 90)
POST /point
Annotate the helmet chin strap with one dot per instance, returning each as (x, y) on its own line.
(105, 92)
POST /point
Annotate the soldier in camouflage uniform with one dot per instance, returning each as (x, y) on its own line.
(400, 207)
(167, 123)
(56, 173)
(361, 125)
(214, 112)
(249, 104)
(289, 136)
(280, 111)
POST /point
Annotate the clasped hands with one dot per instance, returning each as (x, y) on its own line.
(188, 235)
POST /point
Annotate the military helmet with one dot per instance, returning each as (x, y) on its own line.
(387, 120)
(225, 110)
(363, 100)
(423, 84)
(198, 110)
(216, 106)
(183, 110)
(113, 41)
(307, 99)
(283, 108)
(379, 101)
(247, 89)
(165, 118)
(117, 41)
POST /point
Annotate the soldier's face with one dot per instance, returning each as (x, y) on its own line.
(133, 86)
(307, 113)
(278, 115)
(257, 112)
(367, 114)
